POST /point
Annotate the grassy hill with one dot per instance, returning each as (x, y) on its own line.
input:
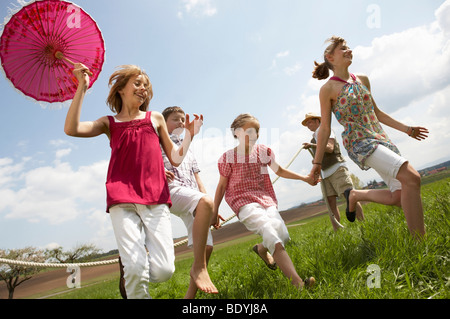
(339, 261)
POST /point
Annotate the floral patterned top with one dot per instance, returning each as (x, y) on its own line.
(362, 133)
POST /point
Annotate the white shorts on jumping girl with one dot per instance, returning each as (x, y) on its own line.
(387, 164)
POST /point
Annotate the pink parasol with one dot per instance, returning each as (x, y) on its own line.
(41, 42)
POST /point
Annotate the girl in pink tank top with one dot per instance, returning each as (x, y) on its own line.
(136, 169)
(138, 197)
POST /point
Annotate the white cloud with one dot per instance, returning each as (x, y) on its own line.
(291, 70)
(59, 142)
(197, 8)
(53, 194)
(443, 18)
(8, 169)
(307, 103)
(405, 66)
(279, 55)
(288, 70)
(282, 54)
(62, 153)
(51, 246)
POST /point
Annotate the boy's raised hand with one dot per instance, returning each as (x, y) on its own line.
(193, 127)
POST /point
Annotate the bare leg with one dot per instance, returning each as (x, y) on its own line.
(407, 198)
(192, 290)
(283, 261)
(380, 196)
(265, 255)
(359, 212)
(411, 200)
(199, 272)
(333, 206)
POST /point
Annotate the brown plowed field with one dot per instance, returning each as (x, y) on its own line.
(54, 279)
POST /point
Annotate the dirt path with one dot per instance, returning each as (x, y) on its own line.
(56, 279)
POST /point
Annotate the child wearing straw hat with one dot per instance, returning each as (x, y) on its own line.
(335, 174)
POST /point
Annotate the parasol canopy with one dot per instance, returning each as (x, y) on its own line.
(41, 42)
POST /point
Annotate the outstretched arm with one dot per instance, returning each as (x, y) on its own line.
(286, 173)
(73, 126)
(416, 132)
(174, 153)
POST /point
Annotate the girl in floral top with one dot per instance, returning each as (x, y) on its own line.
(349, 98)
(245, 182)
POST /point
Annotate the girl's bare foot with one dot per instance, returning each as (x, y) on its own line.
(202, 280)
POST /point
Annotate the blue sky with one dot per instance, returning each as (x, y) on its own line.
(220, 58)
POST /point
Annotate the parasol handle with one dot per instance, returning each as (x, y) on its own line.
(60, 55)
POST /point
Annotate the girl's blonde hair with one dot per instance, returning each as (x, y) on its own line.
(117, 82)
(322, 70)
(241, 120)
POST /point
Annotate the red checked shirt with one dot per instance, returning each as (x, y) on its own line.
(248, 178)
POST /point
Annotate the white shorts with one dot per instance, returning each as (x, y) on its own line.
(387, 164)
(265, 222)
(184, 203)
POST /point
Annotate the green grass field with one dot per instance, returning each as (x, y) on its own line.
(339, 261)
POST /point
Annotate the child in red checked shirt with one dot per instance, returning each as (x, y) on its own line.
(245, 183)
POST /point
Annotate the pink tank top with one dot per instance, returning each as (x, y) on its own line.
(136, 169)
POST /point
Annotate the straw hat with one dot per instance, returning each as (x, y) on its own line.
(310, 116)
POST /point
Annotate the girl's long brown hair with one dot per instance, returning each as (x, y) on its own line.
(117, 82)
(322, 70)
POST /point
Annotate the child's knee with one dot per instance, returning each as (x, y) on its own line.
(414, 179)
(161, 273)
(206, 203)
(409, 177)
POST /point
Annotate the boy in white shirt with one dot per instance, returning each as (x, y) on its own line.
(191, 203)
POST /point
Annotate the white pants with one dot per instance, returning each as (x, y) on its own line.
(184, 204)
(130, 222)
(265, 222)
(386, 163)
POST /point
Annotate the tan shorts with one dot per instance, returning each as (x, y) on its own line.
(338, 182)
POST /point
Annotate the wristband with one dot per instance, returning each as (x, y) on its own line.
(412, 131)
(318, 164)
